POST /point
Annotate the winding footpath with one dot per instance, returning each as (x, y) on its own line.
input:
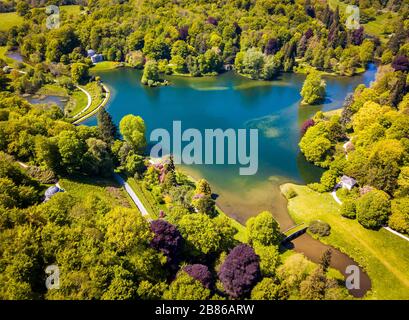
(88, 103)
(101, 105)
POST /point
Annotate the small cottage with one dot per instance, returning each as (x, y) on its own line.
(347, 182)
(51, 191)
(97, 58)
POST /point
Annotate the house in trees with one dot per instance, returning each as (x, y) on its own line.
(97, 58)
(51, 191)
(347, 182)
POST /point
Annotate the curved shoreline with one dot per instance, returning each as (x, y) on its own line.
(93, 112)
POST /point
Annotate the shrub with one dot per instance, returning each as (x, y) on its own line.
(185, 287)
(318, 187)
(329, 179)
(289, 193)
(348, 209)
(373, 209)
(320, 228)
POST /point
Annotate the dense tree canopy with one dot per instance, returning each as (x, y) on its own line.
(313, 90)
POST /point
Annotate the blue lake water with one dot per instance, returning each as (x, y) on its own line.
(231, 101)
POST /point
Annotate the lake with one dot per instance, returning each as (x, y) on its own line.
(232, 101)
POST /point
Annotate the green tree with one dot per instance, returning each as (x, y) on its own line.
(107, 128)
(200, 233)
(22, 8)
(348, 209)
(316, 285)
(269, 259)
(125, 229)
(316, 146)
(150, 75)
(71, 149)
(263, 229)
(373, 209)
(399, 219)
(151, 178)
(203, 187)
(133, 130)
(79, 72)
(313, 90)
(268, 289)
(184, 287)
(151, 291)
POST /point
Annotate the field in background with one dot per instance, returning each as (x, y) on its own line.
(383, 255)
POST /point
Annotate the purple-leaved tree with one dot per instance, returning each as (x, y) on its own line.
(167, 239)
(201, 273)
(307, 123)
(240, 271)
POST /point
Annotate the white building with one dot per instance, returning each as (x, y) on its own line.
(347, 182)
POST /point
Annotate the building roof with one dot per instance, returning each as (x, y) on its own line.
(90, 52)
(52, 191)
(97, 58)
(348, 181)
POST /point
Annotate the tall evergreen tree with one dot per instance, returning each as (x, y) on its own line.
(107, 128)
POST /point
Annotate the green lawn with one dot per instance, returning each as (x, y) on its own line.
(377, 26)
(53, 90)
(9, 20)
(97, 96)
(104, 65)
(384, 256)
(107, 189)
(71, 9)
(78, 101)
(12, 19)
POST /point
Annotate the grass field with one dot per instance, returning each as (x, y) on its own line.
(97, 96)
(383, 255)
(78, 101)
(70, 9)
(12, 19)
(9, 20)
(107, 189)
(53, 90)
(104, 66)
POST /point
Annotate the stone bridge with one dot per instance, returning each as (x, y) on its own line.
(294, 232)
